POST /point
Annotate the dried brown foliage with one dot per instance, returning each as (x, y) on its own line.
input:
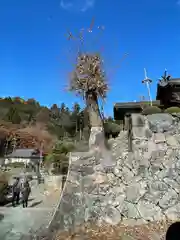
(88, 76)
(38, 137)
(27, 137)
(151, 231)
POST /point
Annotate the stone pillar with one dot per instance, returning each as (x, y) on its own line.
(130, 135)
(97, 143)
(96, 137)
(126, 122)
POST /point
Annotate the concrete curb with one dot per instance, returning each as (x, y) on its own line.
(61, 195)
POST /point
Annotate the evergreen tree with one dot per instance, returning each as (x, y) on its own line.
(75, 117)
(43, 116)
(55, 112)
(76, 108)
(13, 116)
(62, 108)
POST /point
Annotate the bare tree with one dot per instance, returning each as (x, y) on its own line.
(88, 80)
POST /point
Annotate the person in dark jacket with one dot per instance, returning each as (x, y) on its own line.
(16, 188)
(173, 232)
(25, 191)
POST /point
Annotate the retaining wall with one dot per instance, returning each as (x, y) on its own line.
(143, 186)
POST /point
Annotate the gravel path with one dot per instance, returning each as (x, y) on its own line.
(17, 221)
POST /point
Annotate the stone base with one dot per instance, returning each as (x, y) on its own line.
(96, 137)
(97, 143)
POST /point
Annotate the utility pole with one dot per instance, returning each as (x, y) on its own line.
(147, 81)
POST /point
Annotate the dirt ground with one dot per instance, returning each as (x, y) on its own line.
(151, 231)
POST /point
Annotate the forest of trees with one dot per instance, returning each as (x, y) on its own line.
(32, 125)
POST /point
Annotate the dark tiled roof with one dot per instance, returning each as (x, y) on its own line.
(134, 104)
(23, 153)
(174, 81)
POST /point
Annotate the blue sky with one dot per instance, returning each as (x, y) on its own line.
(36, 57)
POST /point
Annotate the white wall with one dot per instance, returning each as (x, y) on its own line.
(19, 160)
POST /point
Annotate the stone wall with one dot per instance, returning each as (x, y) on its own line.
(143, 186)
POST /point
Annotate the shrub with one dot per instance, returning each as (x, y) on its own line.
(151, 110)
(111, 128)
(63, 147)
(58, 158)
(172, 110)
(60, 164)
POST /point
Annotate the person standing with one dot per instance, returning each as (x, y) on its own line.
(25, 191)
(16, 188)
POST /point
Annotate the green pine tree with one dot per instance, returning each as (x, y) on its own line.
(13, 116)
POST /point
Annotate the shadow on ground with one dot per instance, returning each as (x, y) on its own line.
(9, 204)
(1, 217)
(36, 203)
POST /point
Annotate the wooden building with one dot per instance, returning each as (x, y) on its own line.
(168, 95)
(123, 108)
(168, 92)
